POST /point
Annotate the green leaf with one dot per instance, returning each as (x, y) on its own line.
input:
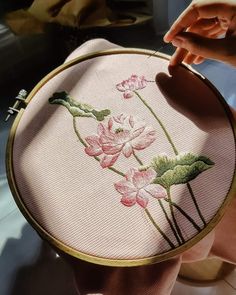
(179, 169)
(78, 109)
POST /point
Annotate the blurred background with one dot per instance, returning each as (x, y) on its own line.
(35, 37)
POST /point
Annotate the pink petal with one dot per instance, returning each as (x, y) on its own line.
(122, 137)
(127, 150)
(131, 85)
(110, 149)
(150, 174)
(156, 191)
(128, 94)
(119, 119)
(131, 121)
(142, 82)
(140, 179)
(133, 76)
(93, 140)
(110, 124)
(143, 178)
(125, 187)
(108, 160)
(143, 141)
(128, 200)
(107, 138)
(93, 151)
(120, 87)
(137, 132)
(142, 201)
(125, 84)
(129, 175)
(100, 129)
(140, 143)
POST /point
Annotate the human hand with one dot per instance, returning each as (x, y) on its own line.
(206, 29)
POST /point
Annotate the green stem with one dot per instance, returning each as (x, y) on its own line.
(159, 121)
(184, 213)
(175, 151)
(85, 145)
(169, 221)
(159, 229)
(78, 134)
(196, 204)
(163, 208)
(173, 216)
(137, 158)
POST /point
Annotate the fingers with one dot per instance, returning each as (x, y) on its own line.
(190, 58)
(206, 27)
(201, 9)
(183, 55)
(204, 24)
(186, 19)
(220, 49)
(199, 60)
(178, 56)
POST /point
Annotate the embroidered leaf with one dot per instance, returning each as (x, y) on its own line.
(78, 109)
(180, 169)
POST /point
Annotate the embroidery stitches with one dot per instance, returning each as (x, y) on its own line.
(179, 169)
(131, 84)
(122, 134)
(134, 91)
(78, 109)
(138, 186)
(128, 134)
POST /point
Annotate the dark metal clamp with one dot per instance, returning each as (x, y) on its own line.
(19, 99)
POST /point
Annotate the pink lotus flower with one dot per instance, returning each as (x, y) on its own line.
(130, 85)
(137, 187)
(122, 134)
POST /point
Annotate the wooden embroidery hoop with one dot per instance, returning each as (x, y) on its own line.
(93, 259)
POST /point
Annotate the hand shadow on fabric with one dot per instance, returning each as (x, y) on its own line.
(186, 93)
(196, 99)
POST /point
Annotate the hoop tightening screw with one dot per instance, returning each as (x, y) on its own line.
(14, 109)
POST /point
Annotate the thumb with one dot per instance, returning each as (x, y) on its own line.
(219, 49)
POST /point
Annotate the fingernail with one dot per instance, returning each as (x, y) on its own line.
(177, 42)
(165, 38)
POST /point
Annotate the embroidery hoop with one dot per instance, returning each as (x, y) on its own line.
(89, 258)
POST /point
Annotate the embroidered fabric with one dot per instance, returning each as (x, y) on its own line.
(116, 166)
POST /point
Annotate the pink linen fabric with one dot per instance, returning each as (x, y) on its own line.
(51, 191)
(157, 279)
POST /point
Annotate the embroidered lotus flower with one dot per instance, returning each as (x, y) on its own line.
(130, 85)
(122, 134)
(137, 187)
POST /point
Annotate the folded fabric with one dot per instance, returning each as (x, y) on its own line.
(80, 14)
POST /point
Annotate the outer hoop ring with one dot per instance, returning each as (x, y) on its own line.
(101, 260)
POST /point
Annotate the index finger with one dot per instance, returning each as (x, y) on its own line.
(199, 10)
(186, 19)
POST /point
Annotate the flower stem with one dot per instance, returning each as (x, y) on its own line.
(175, 151)
(173, 216)
(159, 121)
(159, 229)
(184, 213)
(162, 207)
(196, 204)
(169, 221)
(137, 158)
(85, 145)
